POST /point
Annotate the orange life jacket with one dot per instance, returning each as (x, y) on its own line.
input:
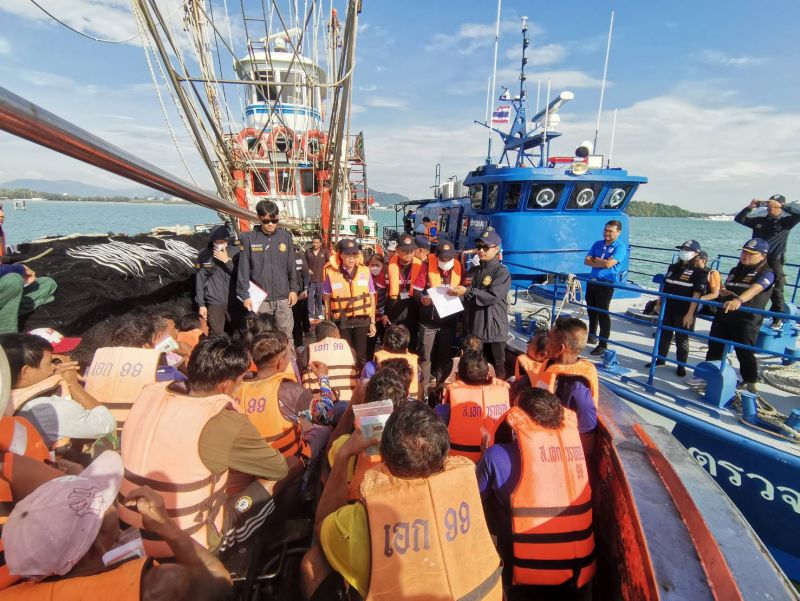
(413, 360)
(258, 399)
(528, 365)
(160, 449)
(191, 338)
(53, 385)
(428, 536)
(118, 374)
(350, 298)
(393, 274)
(121, 582)
(473, 408)
(547, 377)
(551, 506)
(435, 278)
(428, 227)
(337, 355)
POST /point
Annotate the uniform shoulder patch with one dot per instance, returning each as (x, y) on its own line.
(243, 504)
(486, 281)
(282, 247)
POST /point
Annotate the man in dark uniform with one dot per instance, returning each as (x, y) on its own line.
(403, 269)
(215, 279)
(408, 222)
(302, 323)
(773, 228)
(748, 285)
(485, 303)
(682, 279)
(436, 334)
(267, 260)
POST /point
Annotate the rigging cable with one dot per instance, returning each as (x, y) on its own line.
(87, 36)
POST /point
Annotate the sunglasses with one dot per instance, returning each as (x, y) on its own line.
(269, 220)
(484, 246)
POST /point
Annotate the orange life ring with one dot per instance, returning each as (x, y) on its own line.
(315, 143)
(244, 135)
(282, 139)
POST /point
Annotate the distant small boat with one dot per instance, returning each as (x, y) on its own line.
(719, 218)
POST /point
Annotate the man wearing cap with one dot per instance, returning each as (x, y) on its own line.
(774, 229)
(436, 333)
(485, 302)
(403, 269)
(423, 248)
(349, 295)
(684, 279)
(267, 260)
(608, 259)
(747, 285)
(62, 538)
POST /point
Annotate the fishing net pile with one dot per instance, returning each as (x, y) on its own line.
(104, 276)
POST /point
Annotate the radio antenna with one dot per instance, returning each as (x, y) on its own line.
(613, 131)
(494, 77)
(603, 87)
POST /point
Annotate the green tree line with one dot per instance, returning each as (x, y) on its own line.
(640, 208)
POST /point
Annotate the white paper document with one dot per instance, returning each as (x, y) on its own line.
(258, 295)
(445, 303)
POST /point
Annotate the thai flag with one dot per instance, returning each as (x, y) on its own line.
(501, 114)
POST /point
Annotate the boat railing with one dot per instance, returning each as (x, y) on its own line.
(561, 279)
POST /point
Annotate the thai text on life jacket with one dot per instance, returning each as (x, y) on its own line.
(338, 356)
(474, 409)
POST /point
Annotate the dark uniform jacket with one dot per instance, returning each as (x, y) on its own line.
(683, 280)
(485, 303)
(774, 231)
(213, 281)
(269, 262)
(303, 273)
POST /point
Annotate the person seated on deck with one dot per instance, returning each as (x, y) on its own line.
(571, 378)
(473, 405)
(335, 352)
(395, 346)
(58, 535)
(193, 434)
(47, 393)
(21, 292)
(191, 329)
(529, 364)
(469, 343)
(283, 412)
(368, 545)
(525, 494)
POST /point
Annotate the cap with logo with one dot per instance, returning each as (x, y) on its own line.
(445, 251)
(51, 529)
(405, 242)
(779, 198)
(489, 237)
(60, 343)
(756, 245)
(422, 242)
(347, 246)
(690, 245)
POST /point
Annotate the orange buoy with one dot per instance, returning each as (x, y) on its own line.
(315, 143)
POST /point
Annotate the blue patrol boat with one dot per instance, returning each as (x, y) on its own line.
(548, 210)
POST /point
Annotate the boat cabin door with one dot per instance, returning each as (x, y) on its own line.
(450, 224)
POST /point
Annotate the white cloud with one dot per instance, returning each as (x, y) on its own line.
(540, 55)
(367, 88)
(559, 79)
(472, 36)
(386, 102)
(716, 57)
(45, 79)
(357, 109)
(5, 47)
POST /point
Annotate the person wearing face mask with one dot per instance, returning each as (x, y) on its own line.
(749, 284)
(216, 268)
(377, 268)
(485, 302)
(436, 334)
(774, 229)
(402, 272)
(682, 279)
(267, 260)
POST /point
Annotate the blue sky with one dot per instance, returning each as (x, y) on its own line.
(706, 92)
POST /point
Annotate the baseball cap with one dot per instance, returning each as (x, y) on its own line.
(422, 242)
(51, 529)
(690, 245)
(60, 343)
(445, 251)
(405, 242)
(489, 237)
(347, 247)
(345, 537)
(702, 255)
(756, 245)
(778, 197)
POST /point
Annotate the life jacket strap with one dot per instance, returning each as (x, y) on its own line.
(160, 486)
(550, 512)
(484, 588)
(555, 537)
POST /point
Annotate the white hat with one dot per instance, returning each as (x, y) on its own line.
(53, 528)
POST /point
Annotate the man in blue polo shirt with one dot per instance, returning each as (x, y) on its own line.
(608, 259)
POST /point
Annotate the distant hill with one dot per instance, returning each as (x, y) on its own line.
(388, 198)
(73, 188)
(639, 208)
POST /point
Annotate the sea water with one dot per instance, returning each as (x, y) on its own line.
(52, 218)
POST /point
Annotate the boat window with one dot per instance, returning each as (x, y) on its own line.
(491, 197)
(292, 88)
(260, 181)
(476, 196)
(308, 182)
(584, 195)
(544, 196)
(266, 92)
(616, 196)
(513, 193)
(285, 181)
